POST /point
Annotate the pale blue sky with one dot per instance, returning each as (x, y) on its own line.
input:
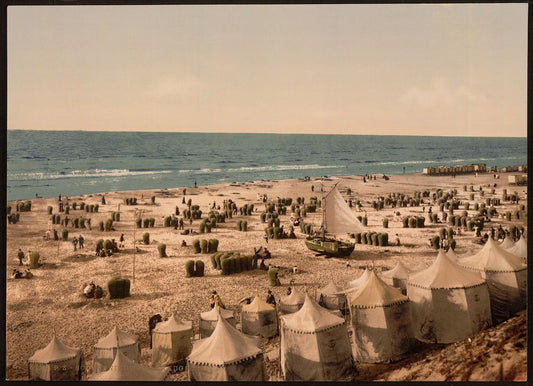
(350, 69)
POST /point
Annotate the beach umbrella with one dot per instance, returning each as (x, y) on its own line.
(448, 303)
(381, 321)
(397, 276)
(226, 355)
(506, 277)
(171, 342)
(259, 319)
(106, 349)
(208, 320)
(292, 302)
(507, 243)
(124, 369)
(315, 345)
(56, 362)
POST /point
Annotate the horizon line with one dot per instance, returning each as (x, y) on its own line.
(266, 133)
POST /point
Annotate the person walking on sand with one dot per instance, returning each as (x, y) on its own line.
(75, 243)
(20, 256)
(80, 241)
(122, 240)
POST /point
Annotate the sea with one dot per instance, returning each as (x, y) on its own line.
(49, 163)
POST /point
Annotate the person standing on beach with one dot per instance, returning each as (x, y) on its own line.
(270, 298)
(75, 243)
(122, 240)
(80, 241)
(20, 256)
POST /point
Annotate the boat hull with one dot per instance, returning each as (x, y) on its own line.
(329, 247)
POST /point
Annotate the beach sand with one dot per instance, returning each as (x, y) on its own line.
(52, 301)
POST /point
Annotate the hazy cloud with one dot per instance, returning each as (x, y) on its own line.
(439, 93)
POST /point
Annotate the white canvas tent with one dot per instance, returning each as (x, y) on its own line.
(124, 369)
(448, 302)
(397, 276)
(452, 255)
(506, 277)
(208, 320)
(339, 218)
(332, 298)
(520, 249)
(315, 345)
(381, 322)
(106, 348)
(357, 283)
(259, 319)
(292, 302)
(507, 243)
(171, 342)
(56, 362)
(226, 355)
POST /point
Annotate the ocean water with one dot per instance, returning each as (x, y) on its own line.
(49, 163)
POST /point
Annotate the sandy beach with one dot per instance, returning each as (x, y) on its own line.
(52, 300)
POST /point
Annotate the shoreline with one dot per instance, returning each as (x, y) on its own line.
(38, 307)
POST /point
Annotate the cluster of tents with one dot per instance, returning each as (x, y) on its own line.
(452, 299)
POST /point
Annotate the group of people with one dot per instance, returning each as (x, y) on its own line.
(78, 242)
(257, 255)
(92, 290)
(16, 274)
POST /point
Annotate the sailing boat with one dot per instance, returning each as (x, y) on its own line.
(337, 219)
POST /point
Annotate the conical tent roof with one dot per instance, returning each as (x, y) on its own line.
(116, 336)
(225, 346)
(173, 324)
(452, 255)
(124, 369)
(295, 298)
(330, 289)
(507, 243)
(375, 293)
(356, 283)
(311, 318)
(400, 271)
(492, 258)
(339, 217)
(212, 315)
(519, 248)
(444, 273)
(55, 351)
(257, 305)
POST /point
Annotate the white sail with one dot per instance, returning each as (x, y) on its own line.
(339, 218)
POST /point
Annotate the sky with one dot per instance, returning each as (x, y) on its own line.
(390, 69)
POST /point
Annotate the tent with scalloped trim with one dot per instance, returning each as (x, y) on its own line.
(332, 298)
(506, 277)
(448, 303)
(315, 345)
(171, 342)
(56, 362)
(291, 303)
(520, 249)
(209, 319)
(226, 355)
(397, 276)
(124, 369)
(259, 319)
(106, 349)
(381, 322)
